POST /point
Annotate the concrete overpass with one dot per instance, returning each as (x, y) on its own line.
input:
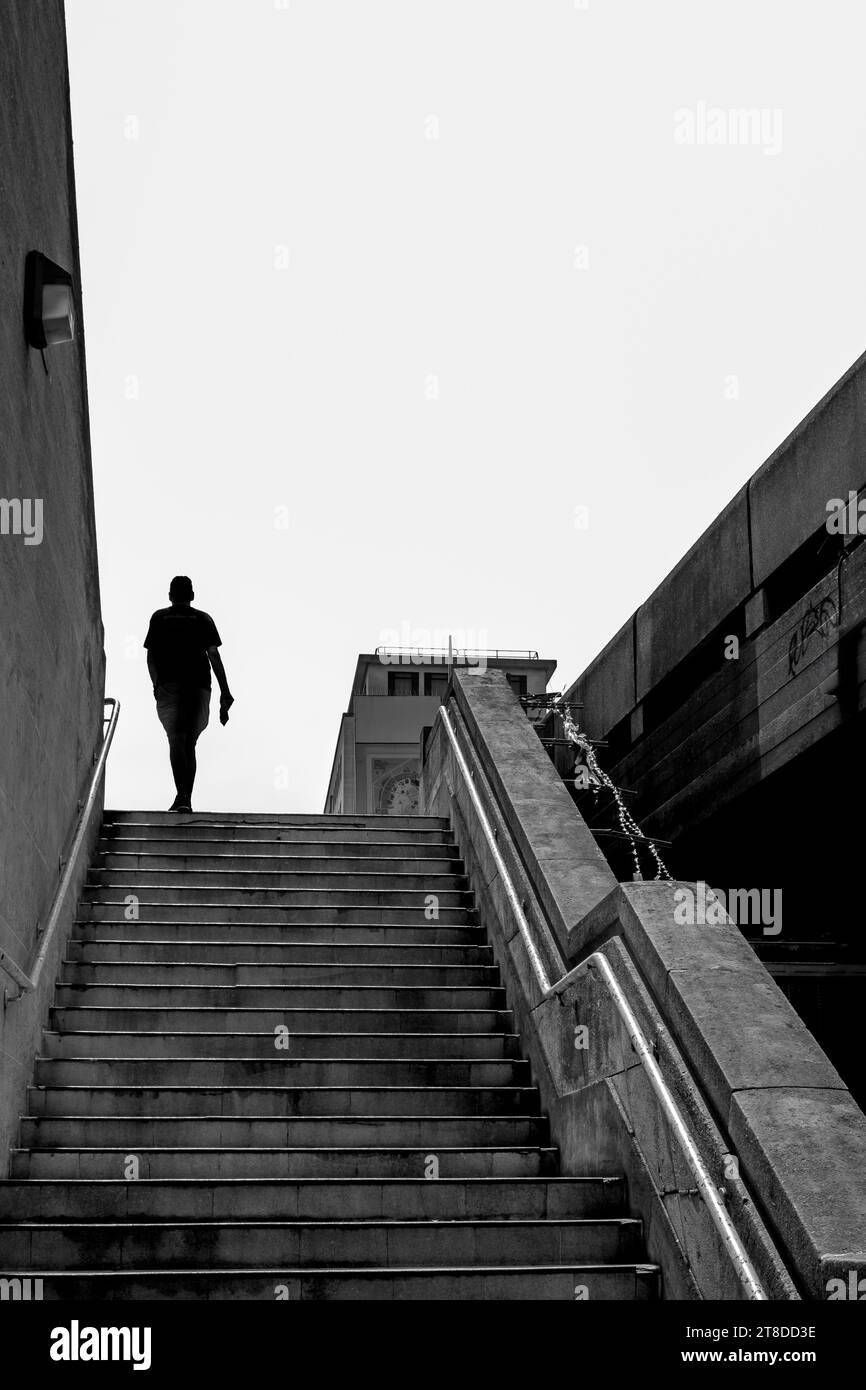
(732, 701)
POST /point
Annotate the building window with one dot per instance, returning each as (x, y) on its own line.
(402, 682)
(435, 683)
(517, 683)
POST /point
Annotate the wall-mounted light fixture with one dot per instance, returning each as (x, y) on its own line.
(49, 302)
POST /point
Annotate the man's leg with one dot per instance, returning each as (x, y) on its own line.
(191, 766)
(181, 751)
(183, 714)
(199, 714)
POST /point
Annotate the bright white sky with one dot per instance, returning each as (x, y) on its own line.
(282, 264)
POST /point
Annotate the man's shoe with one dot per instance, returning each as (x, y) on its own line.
(181, 806)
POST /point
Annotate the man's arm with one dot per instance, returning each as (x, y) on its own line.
(151, 660)
(226, 697)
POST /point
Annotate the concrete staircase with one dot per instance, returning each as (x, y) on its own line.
(270, 1075)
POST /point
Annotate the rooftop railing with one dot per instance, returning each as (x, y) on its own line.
(442, 654)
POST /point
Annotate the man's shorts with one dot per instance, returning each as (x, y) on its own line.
(182, 709)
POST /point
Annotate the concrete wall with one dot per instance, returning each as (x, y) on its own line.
(342, 769)
(823, 457)
(781, 507)
(607, 687)
(392, 719)
(750, 1079)
(51, 659)
(707, 584)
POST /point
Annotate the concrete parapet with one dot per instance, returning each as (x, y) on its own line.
(773, 1121)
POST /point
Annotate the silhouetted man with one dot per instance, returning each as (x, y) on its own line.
(182, 647)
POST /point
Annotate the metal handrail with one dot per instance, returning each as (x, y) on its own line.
(27, 983)
(706, 1187)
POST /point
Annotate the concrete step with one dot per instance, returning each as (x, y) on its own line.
(263, 839)
(237, 934)
(277, 885)
(150, 948)
(118, 865)
(278, 1069)
(214, 1131)
(280, 818)
(393, 1149)
(610, 1283)
(150, 1044)
(311, 1199)
(272, 852)
(121, 995)
(251, 1164)
(214, 822)
(261, 1101)
(311, 1244)
(276, 913)
(243, 1018)
(244, 972)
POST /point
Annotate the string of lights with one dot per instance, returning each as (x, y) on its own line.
(589, 775)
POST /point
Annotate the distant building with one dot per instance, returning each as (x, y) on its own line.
(395, 694)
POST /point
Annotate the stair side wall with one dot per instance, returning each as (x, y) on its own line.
(798, 1147)
(51, 656)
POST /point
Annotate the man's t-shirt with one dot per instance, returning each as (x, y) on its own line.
(178, 639)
